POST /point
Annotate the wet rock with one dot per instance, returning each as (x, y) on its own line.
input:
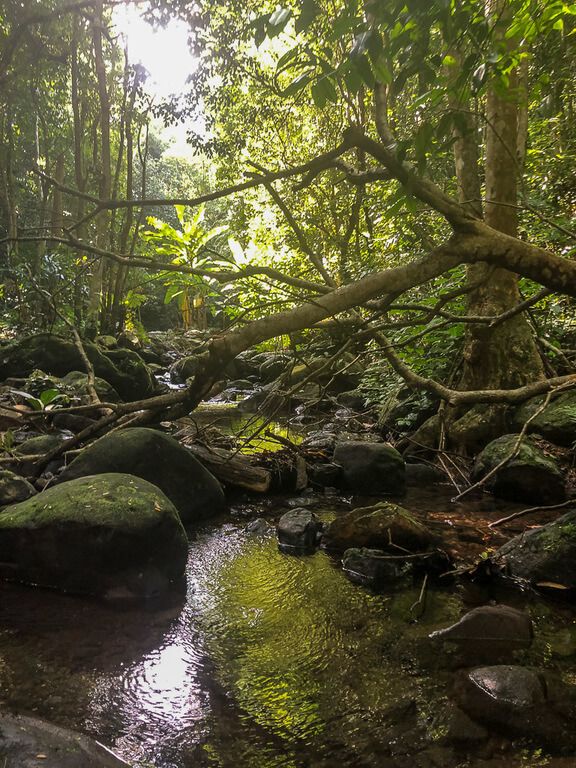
(324, 475)
(160, 459)
(530, 476)
(556, 423)
(14, 488)
(27, 742)
(373, 566)
(299, 528)
(384, 526)
(109, 534)
(259, 527)
(137, 380)
(522, 701)
(106, 341)
(424, 474)
(323, 440)
(492, 629)
(543, 555)
(370, 468)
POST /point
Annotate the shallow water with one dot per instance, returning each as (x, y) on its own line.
(268, 661)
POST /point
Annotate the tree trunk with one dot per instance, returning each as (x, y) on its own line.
(504, 356)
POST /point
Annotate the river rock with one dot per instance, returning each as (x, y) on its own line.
(522, 701)
(492, 628)
(370, 468)
(160, 459)
(373, 566)
(556, 423)
(76, 383)
(185, 368)
(58, 356)
(530, 476)
(545, 554)
(384, 526)
(109, 534)
(14, 488)
(27, 742)
(38, 445)
(299, 528)
(324, 475)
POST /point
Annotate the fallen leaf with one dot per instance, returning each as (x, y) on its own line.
(551, 585)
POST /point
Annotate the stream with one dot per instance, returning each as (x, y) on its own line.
(269, 660)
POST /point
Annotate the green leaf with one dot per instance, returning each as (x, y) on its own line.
(298, 84)
(307, 15)
(278, 21)
(381, 71)
(324, 90)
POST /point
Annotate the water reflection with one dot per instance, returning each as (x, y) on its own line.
(273, 661)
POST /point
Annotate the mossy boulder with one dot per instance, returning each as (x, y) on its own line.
(76, 383)
(39, 445)
(161, 460)
(106, 535)
(370, 468)
(530, 476)
(543, 555)
(384, 526)
(557, 422)
(127, 372)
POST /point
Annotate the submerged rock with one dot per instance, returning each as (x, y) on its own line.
(160, 459)
(543, 555)
(384, 526)
(109, 535)
(530, 476)
(521, 701)
(27, 742)
(373, 566)
(370, 468)
(299, 528)
(492, 629)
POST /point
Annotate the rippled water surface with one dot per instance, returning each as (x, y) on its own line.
(268, 661)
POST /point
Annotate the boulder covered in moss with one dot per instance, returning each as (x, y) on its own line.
(160, 459)
(543, 556)
(531, 476)
(76, 383)
(127, 372)
(557, 422)
(370, 468)
(384, 526)
(106, 535)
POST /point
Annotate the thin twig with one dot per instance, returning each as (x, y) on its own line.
(502, 520)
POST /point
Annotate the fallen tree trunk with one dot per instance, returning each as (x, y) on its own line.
(233, 469)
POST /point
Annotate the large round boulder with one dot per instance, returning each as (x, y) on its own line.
(109, 535)
(384, 526)
(370, 468)
(127, 372)
(530, 476)
(545, 555)
(161, 460)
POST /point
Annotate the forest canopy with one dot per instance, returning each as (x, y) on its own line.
(399, 174)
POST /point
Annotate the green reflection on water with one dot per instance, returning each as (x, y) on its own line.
(249, 428)
(309, 657)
